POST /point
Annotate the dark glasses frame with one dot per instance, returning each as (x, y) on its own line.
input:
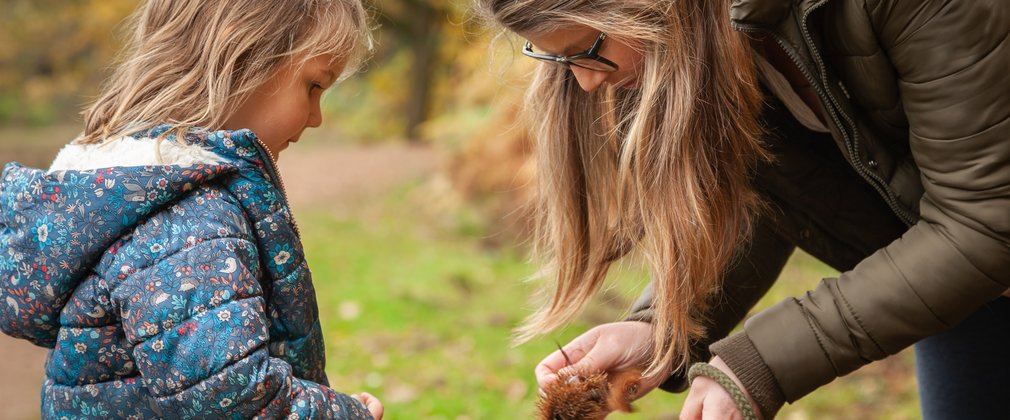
(592, 53)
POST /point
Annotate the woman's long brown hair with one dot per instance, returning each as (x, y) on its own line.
(664, 169)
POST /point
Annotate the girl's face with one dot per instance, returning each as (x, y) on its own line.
(577, 39)
(288, 103)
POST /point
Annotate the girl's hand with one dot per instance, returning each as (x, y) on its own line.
(373, 404)
(609, 347)
(708, 400)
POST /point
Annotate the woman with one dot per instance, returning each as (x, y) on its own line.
(714, 137)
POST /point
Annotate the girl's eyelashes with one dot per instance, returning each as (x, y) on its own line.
(315, 85)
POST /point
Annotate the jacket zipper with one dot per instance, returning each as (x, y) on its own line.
(835, 110)
(277, 181)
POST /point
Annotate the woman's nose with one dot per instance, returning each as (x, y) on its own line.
(589, 80)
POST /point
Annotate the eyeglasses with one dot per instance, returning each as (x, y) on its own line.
(588, 59)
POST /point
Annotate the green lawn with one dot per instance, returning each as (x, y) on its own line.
(417, 311)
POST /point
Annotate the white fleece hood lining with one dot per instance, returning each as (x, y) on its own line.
(130, 151)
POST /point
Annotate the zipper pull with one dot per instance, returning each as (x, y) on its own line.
(844, 90)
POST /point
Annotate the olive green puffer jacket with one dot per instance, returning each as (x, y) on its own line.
(915, 210)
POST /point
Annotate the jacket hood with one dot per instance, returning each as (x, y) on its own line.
(55, 225)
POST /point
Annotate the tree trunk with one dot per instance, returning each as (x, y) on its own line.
(424, 36)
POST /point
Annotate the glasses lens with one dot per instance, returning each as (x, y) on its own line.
(592, 64)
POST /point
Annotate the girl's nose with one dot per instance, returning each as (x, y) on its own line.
(589, 80)
(315, 116)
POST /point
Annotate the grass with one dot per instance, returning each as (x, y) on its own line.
(419, 312)
(420, 316)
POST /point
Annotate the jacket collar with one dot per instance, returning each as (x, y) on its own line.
(762, 14)
(132, 151)
(767, 14)
(202, 147)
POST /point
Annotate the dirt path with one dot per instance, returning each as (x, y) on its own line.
(314, 176)
(21, 368)
(319, 176)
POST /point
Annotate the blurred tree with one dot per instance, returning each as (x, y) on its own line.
(425, 54)
(53, 52)
(416, 25)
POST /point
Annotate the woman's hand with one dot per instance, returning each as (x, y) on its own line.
(373, 404)
(707, 400)
(609, 347)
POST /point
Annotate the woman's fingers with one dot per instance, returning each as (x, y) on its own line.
(573, 354)
(717, 407)
(692, 404)
(608, 347)
(707, 400)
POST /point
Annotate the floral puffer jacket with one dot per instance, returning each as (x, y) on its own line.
(175, 291)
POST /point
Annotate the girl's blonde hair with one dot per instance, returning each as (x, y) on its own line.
(191, 63)
(665, 168)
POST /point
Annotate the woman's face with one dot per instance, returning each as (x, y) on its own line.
(577, 39)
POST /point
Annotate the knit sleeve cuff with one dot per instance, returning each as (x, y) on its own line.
(744, 360)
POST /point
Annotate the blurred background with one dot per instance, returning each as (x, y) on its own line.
(412, 203)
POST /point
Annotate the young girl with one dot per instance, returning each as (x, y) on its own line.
(887, 123)
(158, 258)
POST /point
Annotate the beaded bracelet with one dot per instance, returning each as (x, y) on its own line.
(720, 377)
